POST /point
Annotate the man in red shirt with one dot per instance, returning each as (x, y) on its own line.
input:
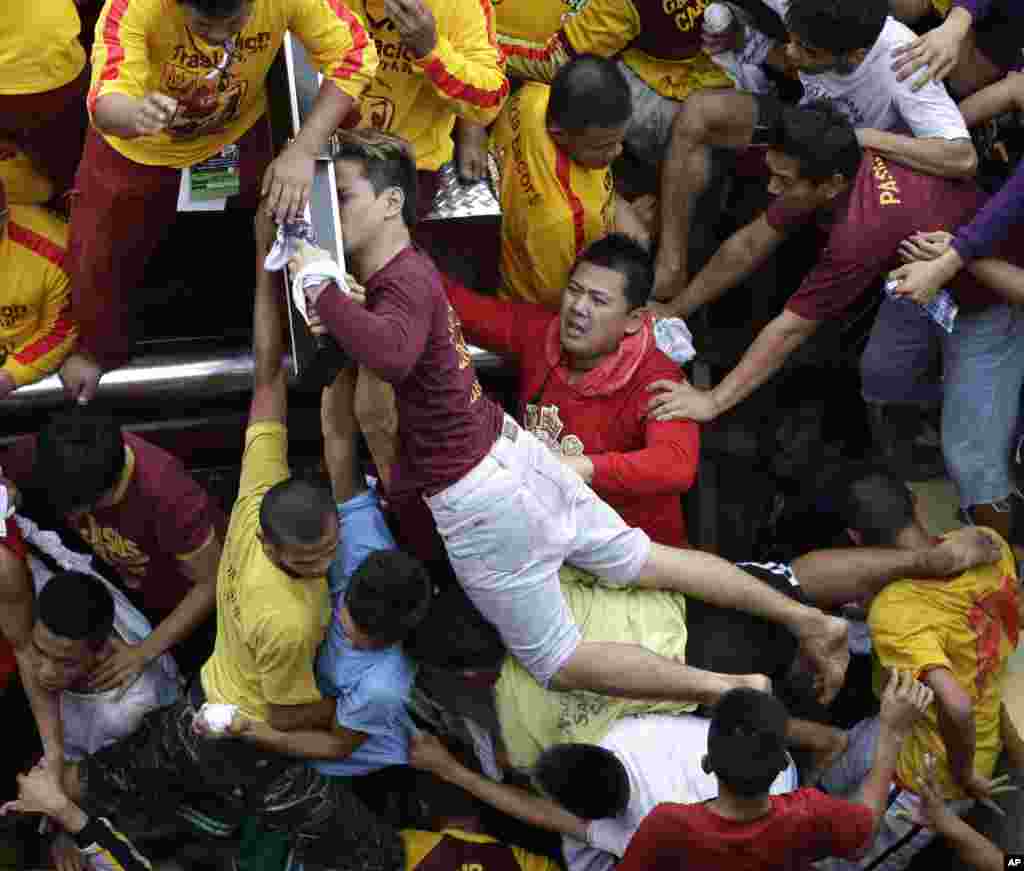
(142, 514)
(510, 514)
(746, 828)
(869, 205)
(583, 379)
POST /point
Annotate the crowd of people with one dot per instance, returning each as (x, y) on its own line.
(497, 605)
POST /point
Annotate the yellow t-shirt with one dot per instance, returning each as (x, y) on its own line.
(36, 329)
(942, 6)
(969, 625)
(533, 718)
(24, 182)
(552, 208)
(39, 47)
(419, 99)
(144, 46)
(269, 626)
(455, 850)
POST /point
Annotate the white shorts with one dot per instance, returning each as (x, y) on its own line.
(508, 526)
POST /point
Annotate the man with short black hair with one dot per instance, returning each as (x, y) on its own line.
(584, 376)
(746, 751)
(554, 147)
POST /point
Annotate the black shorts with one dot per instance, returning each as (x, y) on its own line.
(164, 765)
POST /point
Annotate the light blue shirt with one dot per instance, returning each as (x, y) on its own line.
(371, 686)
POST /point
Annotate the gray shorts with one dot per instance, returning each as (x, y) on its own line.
(650, 125)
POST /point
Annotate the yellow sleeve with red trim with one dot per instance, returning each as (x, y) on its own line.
(466, 67)
(337, 43)
(120, 58)
(601, 27)
(41, 352)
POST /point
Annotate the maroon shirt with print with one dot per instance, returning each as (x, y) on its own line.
(886, 203)
(409, 335)
(161, 515)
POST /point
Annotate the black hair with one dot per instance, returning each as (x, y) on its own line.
(77, 606)
(837, 26)
(80, 456)
(388, 161)
(589, 91)
(822, 139)
(587, 780)
(388, 595)
(215, 8)
(876, 504)
(294, 511)
(455, 636)
(623, 254)
(746, 741)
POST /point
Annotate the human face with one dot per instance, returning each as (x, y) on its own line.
(215, 30)
(811, 60)
(594, 148)
(60, 662)
(306, 561)
(786, 182)
(362, 212)
(594, 315)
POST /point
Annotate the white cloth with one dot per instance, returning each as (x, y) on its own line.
(286, 243)
(872, 97)
(310, 276)
(662, 756)
(674, 340)
(95, 720)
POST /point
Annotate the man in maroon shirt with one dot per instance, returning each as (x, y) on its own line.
(583, 379)
(745, 828)
(142, 514)
(508, 511)
(868, 206)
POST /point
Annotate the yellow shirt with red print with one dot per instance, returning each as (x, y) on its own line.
(144, 46)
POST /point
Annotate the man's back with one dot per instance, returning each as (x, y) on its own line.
(969, 625)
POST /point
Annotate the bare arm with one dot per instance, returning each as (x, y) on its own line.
(427, 753)
(956, 722)
(951, 158)
(337, 418)
(291, 718)
(338, 743)
(706, 119)
(740, 254)
(973, 848)
(270, 385)
(1006, 95)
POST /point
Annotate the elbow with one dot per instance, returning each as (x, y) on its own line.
(963, 161)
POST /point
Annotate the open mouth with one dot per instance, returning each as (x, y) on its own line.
(574, 329)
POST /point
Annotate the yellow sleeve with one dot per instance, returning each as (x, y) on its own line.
(601, 27)
(337, 43)
(904, 634)
(466, 67)
(120, 57)
(285, 665)
(532, 862)
(265, 460)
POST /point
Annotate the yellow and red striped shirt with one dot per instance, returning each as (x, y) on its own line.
(419, 98)
(39, 47)
(144, 46)
(552, 208)
(36, 330)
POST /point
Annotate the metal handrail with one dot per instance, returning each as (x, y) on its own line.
(189, 375)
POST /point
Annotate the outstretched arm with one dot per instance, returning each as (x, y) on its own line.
(270, 383)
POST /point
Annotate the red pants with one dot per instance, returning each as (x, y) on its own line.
(122, 211)
(49, 127)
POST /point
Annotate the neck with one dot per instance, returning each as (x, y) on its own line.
(913, 537)
(579, 365)
(740, 808)
(368, 262)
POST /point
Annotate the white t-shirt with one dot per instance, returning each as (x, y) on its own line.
(872, 97)
(662, 756)
(95, 720)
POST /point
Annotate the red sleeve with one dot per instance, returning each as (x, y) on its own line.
(832, 287)
(388, 340)
(497, 325)
(188, 515)
(843, 826)
(666, 464)
(659, 844)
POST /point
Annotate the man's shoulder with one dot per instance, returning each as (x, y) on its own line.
(39, 230)
(411, 272)
(158, 471)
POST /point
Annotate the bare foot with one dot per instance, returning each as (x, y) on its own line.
(824, 641)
